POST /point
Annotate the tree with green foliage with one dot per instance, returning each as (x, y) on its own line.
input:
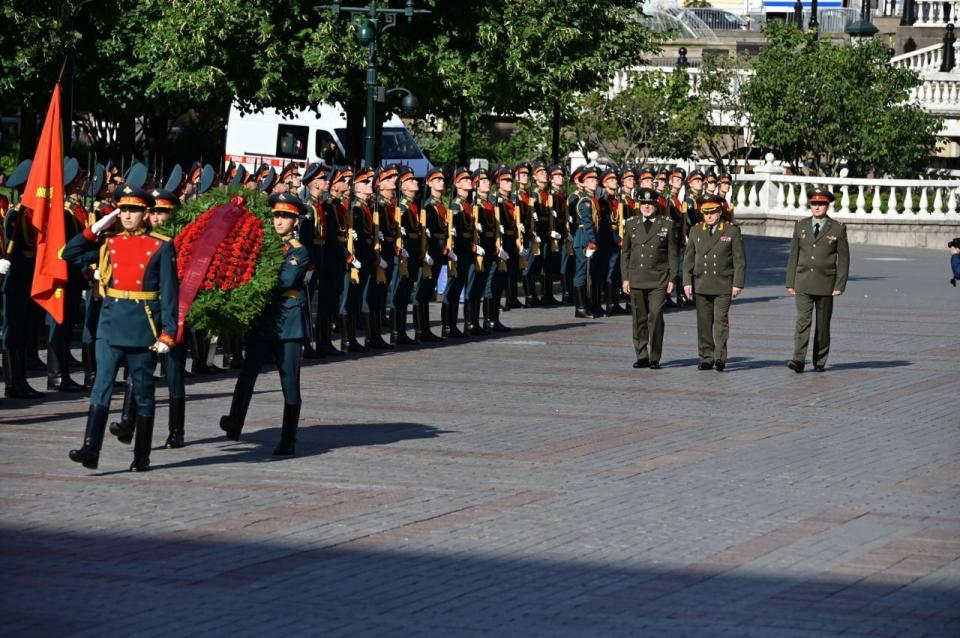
(821, 104)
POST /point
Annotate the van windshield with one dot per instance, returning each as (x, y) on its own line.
(397, 143)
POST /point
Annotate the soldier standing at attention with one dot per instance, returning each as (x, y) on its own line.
(648, 267)
(387, 258)
(612, 216)
(546, 226)
(723, 187)
(461, 246)
(334, 222)
(361, 261)
(714, 267)
(410, 254)
(499, 220)
(817, 272)
(529, 241)
(280, 330)
(586, 209)
(436, 224)
(138, 277)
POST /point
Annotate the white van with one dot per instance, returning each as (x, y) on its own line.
(307, 136)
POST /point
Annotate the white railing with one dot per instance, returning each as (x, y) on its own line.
(936, 13)
(939, 93)
(886, 8)
(925, 59)
(857, 199)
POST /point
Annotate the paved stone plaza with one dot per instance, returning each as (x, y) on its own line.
(532, 484)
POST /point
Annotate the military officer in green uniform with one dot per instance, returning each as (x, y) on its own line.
(817, 272)
(281, 331)
(648, 265)
(714, 267)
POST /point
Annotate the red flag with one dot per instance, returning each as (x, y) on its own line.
(43, 195)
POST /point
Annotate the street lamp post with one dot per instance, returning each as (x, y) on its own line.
(368, 28)
(862, 30)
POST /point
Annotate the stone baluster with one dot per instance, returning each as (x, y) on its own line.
(844, 200)
(861, 201)
(908, 202)
(937, 201)
(892, 202)
(875, 205)
(781, 198)
(923, 208)
(742, 195)
(952, 203)
(754, 196)
(791, 201)
(802, 199)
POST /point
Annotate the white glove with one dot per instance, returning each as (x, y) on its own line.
(161, 348)
(353, 234)
(479, 228)
(4, 266)
(383, 264)
(104, 223)
(536, 217)
(428, 233)
(504, 255)
(590, 251)
(536, 239)
(554, 234)
(356, 264)
(403, 231)
(523, 229)
(481, 251)
(554, 213)
(427, 259)
(500, 227)
(453, 232)
(525, 253)
(404, 253)
(96, 274)
(452, 256)
(380, 235)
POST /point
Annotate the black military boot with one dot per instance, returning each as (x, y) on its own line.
(288, 430)
(484, 328)
(175, 427)
(613, 296)
(232, 423)
(123, 429)
(15, 376)
(371, 327)
(450, 327)
(89, 453)
(468, 329)
(595, 300)
(496, 326)
(417, 323)
(143, 444)
(582, 310)
(348, 335)
(325, 345)
(548, 299)
(513, 294)
(426, 335)
(89, 365)
(403, 339)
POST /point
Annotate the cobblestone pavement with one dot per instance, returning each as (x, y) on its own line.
(532, 484)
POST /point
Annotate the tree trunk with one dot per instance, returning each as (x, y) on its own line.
(464, 155)
(28, 134)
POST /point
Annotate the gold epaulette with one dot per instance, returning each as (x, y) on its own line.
(295, 243)
(159, 236)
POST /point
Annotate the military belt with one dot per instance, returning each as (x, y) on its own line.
(413, 235)
(319, 242)
(490, 234)
(290, 293)
(134, 295)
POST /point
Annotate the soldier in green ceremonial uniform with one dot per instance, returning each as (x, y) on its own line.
(462, 250)
(817, 272)
(714, 266)
(138, 279)
(648, 264)
(280, 331)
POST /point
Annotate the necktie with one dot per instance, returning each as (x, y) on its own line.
(647, 224)
(711, 230)
(816, 229)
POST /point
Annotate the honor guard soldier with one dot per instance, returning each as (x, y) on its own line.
(587, 211)
(333, 224)
(488, 250)
(435, 220)
(714, 268)
(628, 190)
(648, 265)
(522, 202)
(660, 177)
(611, 233)
(817, 271)
(507, 231)
(724, 182)
(691, 201)
(290, 179)
(279, 332)
(138, 280)
(387, 257)
(173, 363)
(410, 256)
(673, 207)
(710, 183)
(462, 251)
(310, 234)
(102, 205)
(58, 334)
(645, 177)
(20, 313)
(361, 262)
(566, 225)
(545, 225)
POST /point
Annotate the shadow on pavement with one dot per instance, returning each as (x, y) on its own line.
(270, 571)
(257, 446)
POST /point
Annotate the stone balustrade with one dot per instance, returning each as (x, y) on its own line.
(937, 13)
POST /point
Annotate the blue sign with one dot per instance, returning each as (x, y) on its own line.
(788, 4)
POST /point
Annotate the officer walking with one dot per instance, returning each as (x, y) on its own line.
(714, 267)
(280, 331)
(817, 272)
(138, 279)
(648, 267)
